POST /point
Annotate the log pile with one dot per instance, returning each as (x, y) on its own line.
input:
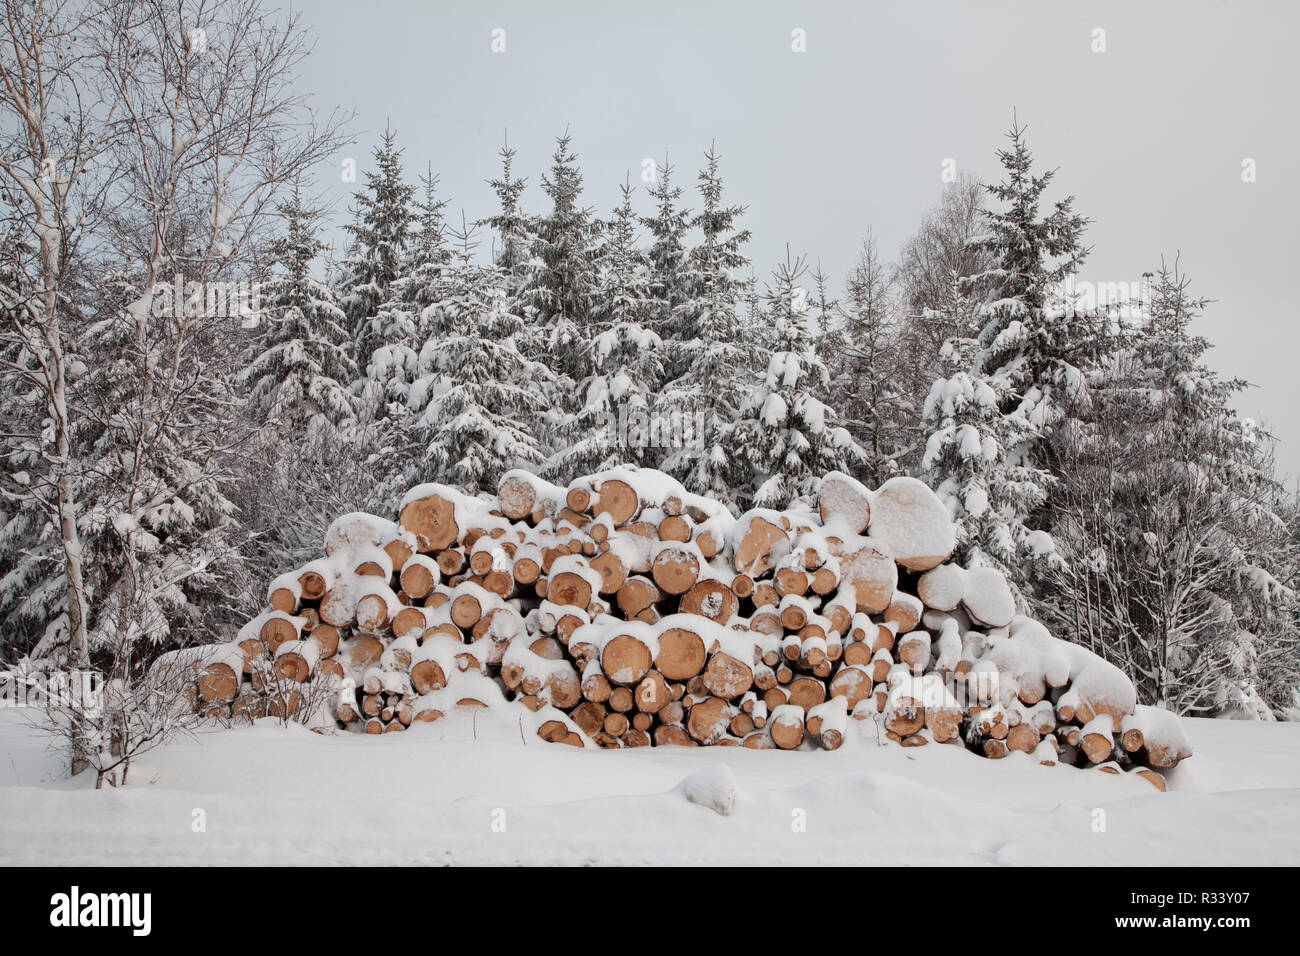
(624, 611)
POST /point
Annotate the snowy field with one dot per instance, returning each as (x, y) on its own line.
(437, 795)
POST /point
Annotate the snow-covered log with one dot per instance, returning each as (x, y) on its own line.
(622, 611)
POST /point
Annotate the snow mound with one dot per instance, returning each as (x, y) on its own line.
(713, 787)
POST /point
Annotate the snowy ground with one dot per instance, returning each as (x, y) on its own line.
(271, 794)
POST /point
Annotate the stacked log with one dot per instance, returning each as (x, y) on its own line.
(626, 611)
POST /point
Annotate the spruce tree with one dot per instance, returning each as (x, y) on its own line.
(612, 426)
(31, 596)
(380, 233)
(708, 280)
(940, 247)
(667, 228)
(429, 250)
(398, 327)
(1033, 352)
(157, 539)
(1043, 348)
(970, 456)
(512, 248)
(1177, 560)
(158, 531)
(711, 359)
(474, 408)
(298, 372)
(563, 289)
(626, 294)
(785, 440)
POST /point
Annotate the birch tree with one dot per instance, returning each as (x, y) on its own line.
(59, 121)
(151, 138)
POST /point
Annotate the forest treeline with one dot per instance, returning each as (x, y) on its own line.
(161, 461)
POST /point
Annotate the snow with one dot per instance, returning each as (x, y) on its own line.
(976, 504)
(774, 411)
(354, 531)
(289, 581)
(968, 439)
(988, 597)
(948, 646)
(1094, 681)
(1162, 726)
(911, 523)
(713, 787)
(942, 588)
(844, 500)
(1101, 726)
(428, 796)
(370, 554)
(1040, 543)
(833, 714)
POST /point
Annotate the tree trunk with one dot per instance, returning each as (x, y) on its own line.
(78, 653)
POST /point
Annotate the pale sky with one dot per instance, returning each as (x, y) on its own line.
(1149, 135)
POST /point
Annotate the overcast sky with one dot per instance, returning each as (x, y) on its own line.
(1149, 135)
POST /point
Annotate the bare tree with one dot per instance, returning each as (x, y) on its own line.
(941, 247)
(58, 121)
(312, 703)
(214, 132)
(929, 262)
(110, 723)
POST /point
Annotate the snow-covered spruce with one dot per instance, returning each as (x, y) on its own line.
(623, 610)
